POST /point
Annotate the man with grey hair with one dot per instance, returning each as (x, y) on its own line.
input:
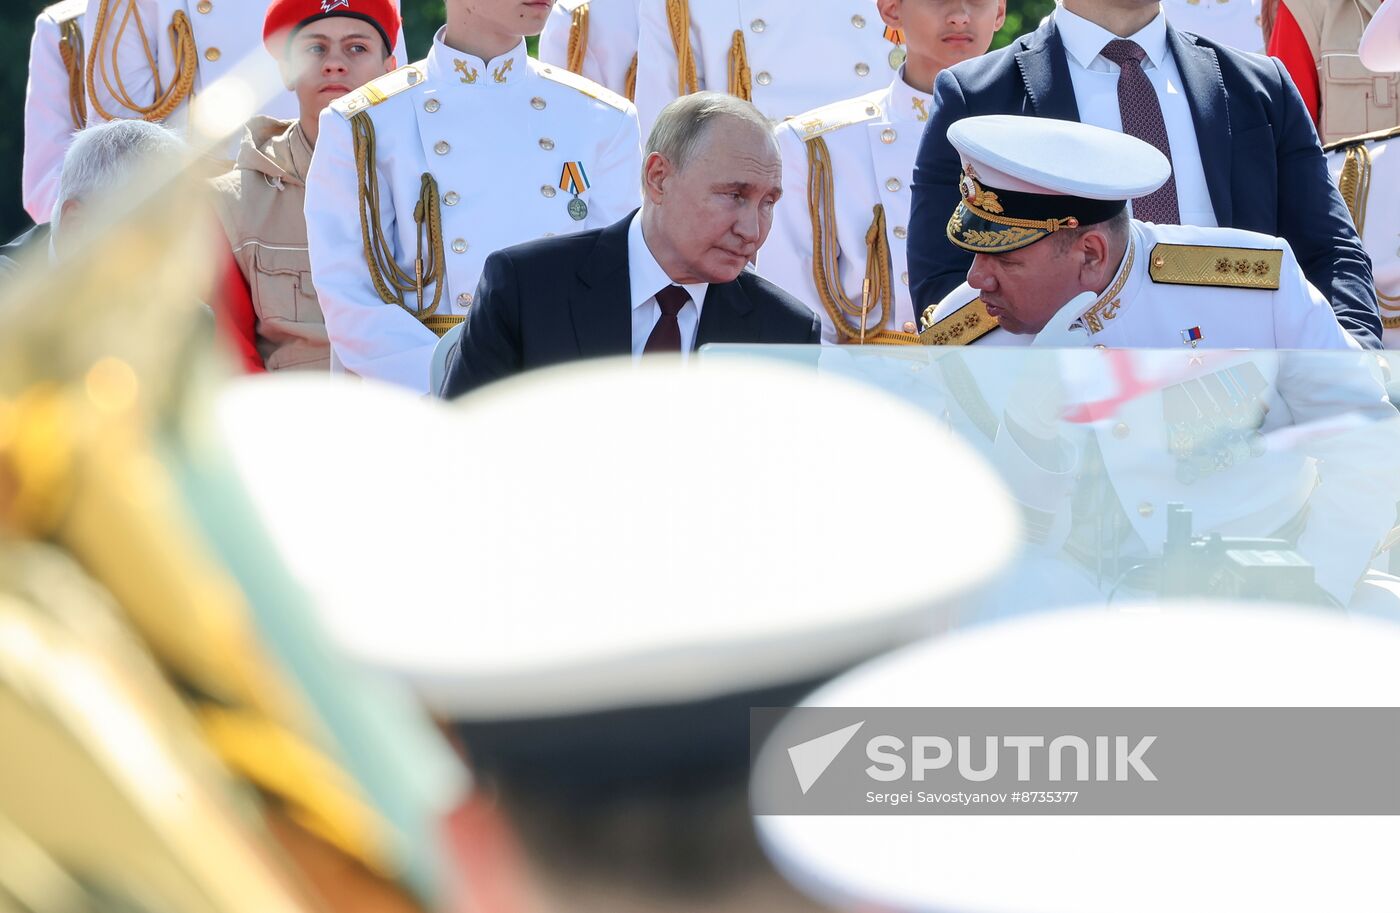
(101, 159)
(668, 278)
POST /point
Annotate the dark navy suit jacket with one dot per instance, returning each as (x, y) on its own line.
(565, 298)
(1264, 167)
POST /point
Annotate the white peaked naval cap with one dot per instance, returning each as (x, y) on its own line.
(1380, 43)
(610, 535)
(1041, 155)
(1162, 655)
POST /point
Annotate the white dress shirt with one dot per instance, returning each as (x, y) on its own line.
(646, 278)
(1095, 81)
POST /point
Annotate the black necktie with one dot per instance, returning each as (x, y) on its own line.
(666, 335)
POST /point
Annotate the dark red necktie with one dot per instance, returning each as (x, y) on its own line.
(666, 335)
(1142, 118)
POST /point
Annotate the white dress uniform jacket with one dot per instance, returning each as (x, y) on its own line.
(496, 137)
(796, 55)
(226, 37)
(54, 104)
(1148, 306)
(1367, 170)
(871, 142)
(1236, 24)
(606, 33)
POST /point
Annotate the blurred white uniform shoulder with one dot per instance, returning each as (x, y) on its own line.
(832, 238)
(1367, 170)
(596, 39)
(54, 102)
(785, 57)
(1236, 24)
(462, 157)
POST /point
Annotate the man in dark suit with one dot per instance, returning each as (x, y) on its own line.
(668, 278)
(1242, 146)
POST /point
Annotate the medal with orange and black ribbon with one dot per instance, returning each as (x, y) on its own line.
(897, 54)
(575, 180)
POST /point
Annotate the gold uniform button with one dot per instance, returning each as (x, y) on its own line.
(909, 327)
(1120, 430)
(1145, 509)
(451, 198)
(546, 144)
(763, 78)
(213, 54)
(1159, 262)
(858, 21)
(871, 110)
(901, 232)
(204, 6)
(459, 246)
(442, 148)
(431, 105)
(537, 103)
(862, 69)
(758, 25)
(893, 185)
(888, 136)
(547, 191)
(464, 300)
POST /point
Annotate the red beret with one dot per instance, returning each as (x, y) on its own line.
(286, 17)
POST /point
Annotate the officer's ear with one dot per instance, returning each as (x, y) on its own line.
(1094, 247)
(391, 63)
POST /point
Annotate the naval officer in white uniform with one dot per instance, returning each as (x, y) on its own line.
(839, 235)
(785, 57)
(423, 173)
(54, 103)
(1044, 209)
(1367, 171)
(594, 38)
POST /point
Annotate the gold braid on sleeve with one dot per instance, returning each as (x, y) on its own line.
(678, 18)
(630, 89)
(70, 50)
(391, 282)
(1355, 183)
(578, 39)
(855, 323)
(166, 100)
(740, 79)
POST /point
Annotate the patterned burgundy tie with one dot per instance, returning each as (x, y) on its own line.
(666, 335)
(1142, 118)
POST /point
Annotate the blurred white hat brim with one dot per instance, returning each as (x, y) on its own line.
(607, 535)
(1380, 43)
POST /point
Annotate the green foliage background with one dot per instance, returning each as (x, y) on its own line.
(421, 19)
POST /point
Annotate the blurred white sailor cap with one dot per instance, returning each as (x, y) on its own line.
(1026, 177)
(610, 536)
(1163, 655)
(1380, 43)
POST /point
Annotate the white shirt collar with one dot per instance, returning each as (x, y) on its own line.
(450, 67)
(1084, 39)
(645, 275)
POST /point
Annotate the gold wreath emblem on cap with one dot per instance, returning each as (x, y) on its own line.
(975, 195)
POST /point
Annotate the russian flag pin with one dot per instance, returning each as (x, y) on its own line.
(1191, 336)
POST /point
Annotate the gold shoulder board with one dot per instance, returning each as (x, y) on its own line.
(964, 326)
(378, 90)
(1222, 267)
(66, 10)
(586, 86)
(831, 117)
(1363, 138)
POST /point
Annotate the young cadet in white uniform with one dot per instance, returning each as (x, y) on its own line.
(594, 38)
(839, 234)
(1131, 284)
(1236, 24)
(784, 56)
(54, 103)
(421, 174)
(1367, 171)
